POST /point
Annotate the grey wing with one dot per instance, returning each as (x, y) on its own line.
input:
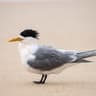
(48, 58)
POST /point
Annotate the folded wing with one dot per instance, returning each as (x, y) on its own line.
(48, 58)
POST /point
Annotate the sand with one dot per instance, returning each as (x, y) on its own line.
(67, 25)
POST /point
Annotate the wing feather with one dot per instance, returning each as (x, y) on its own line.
(48, 58)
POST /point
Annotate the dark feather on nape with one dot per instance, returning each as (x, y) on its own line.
(29, 33)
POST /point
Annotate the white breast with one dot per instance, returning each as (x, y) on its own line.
(27, 52)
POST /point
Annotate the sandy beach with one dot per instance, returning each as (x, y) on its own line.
(70, 25)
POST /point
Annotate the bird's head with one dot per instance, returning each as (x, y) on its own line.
(27, 34)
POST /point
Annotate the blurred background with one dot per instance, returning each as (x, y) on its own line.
(66, 24)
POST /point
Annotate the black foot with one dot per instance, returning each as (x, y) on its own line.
(37, 82)
(43, 79)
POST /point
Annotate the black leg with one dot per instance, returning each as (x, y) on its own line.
(43, 79)
(39, 82)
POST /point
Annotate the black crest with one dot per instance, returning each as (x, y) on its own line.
(29, 33)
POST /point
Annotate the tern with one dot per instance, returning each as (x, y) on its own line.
(45, 60)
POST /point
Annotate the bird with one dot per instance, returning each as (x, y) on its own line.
(45, 59)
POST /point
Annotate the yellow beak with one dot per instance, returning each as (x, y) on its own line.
(15, 39)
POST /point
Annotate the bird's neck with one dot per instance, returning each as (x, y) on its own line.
(29, 41)
(28, 45)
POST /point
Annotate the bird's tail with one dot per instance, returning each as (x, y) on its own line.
(86, 54)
